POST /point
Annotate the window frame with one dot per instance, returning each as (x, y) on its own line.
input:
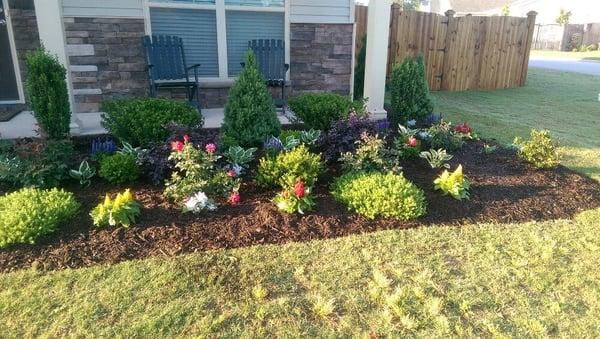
(15, 57)
(220, 10)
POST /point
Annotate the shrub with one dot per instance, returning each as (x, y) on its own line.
(409, 92)
(119, 169)
(47, 93)
(30, 213)
(591, 48)
(344, 134)
(142, 121)
(443, 136)
(455, 184)
(296, 199)
(121, 211)
(370, 155)
(359, 70)
(376, 194)
(285, 168)
(250, 115)
(540, 150)
(320, 110)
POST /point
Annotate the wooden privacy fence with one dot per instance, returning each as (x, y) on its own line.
(461, 53)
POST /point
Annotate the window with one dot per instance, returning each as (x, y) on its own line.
(215, 33)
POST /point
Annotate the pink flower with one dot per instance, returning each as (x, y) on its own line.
(177, 146)
(412, 141)
(299, 189)
(186, 138)
(234, 198)
(231, 173)
(210, 148)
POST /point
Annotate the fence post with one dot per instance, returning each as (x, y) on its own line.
(447, 41)
(530, 27)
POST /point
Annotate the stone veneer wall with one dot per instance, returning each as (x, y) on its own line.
(106, 60)
(25, 30)
(321, 57)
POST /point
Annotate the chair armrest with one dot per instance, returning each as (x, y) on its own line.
(193, 66)
(287, 67)
(149, 66)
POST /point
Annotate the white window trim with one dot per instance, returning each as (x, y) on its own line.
(15, 60)
(220, 9)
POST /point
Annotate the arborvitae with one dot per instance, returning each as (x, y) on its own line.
(410, 98)
(250, 114)
(359, 70)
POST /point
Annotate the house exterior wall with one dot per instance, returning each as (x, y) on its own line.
(316, 11)
(103, 8)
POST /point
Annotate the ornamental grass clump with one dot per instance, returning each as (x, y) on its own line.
(30, 213)
(454, 184)
(540, 150)
(378, 195)
(122, 211)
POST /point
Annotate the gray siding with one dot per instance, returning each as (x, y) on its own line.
(320, 11)
(103, 8)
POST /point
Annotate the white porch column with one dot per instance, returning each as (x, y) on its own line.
(51, 28)
(378, 32)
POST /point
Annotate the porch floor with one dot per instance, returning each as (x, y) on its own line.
(24, 124)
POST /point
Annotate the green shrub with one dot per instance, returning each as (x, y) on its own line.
(30, 213)
(591, 48)
(370, 155)
(376, 194)
(359, 70)
(250, 115)
(47, 93)
(540, 150)
(141, 121)
(454, 184)
(119, 169)
(409, 92)
(119, 212)
(286, 167)
(444, 136)
(320, 110)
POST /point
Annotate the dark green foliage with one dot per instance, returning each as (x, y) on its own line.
(250, 115)
(142, 121)
(359, 70)
(410, 98)
(320, 110)
(47, 94)
(119, 168)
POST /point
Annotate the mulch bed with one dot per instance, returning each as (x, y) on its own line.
(503, 189)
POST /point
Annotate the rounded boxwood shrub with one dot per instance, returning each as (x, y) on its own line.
(119, 168)
(320, 110)
(30, 213)
(284, 168)
(376, 194)
(142, 121)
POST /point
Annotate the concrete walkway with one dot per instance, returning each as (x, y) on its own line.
(567, 65)
(24, 124)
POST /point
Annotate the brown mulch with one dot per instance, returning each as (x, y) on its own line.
(503, 189)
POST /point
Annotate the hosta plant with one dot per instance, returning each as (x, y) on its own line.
(122, 211)
(239, 158)
(436, 158)
(454, 184)
(83, 174)
(540, 150)
(296, 199)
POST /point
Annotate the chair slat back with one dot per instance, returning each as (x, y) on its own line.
(166, 54)
(270, 57)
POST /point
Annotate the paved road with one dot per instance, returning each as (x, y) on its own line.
(579, 66)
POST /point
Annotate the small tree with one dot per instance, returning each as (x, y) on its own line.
(410, 98)
(505, 10)
(563, 17)
(250, 115)
(359, 70)
(47, 93)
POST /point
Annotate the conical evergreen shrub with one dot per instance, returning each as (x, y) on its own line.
(250, 114)
(410, 98)
(359, 70)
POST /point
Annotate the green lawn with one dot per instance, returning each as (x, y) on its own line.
(528, 280)
(594, 55)
(565, 103)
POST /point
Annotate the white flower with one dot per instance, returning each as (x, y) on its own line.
(198, 203)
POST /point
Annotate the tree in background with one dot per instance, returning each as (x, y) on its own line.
(563, 17)
(359, 70)
(505, 10)
(410, 5)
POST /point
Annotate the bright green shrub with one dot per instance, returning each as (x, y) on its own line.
(409, 92)
(286, 167)
(141, 121)
(376, 194)
(30, 213)
(250, 115)
(47, 93)
(454, 184)
(121, 211)
(119, 169)
(540, 150)
(320, 110)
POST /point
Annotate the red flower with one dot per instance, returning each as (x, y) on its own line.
(177, 146)
(299, 189)
(231, 173)
(463, 128)
(234, 198)
(186, 138)
(412, 141)
(210, 148)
